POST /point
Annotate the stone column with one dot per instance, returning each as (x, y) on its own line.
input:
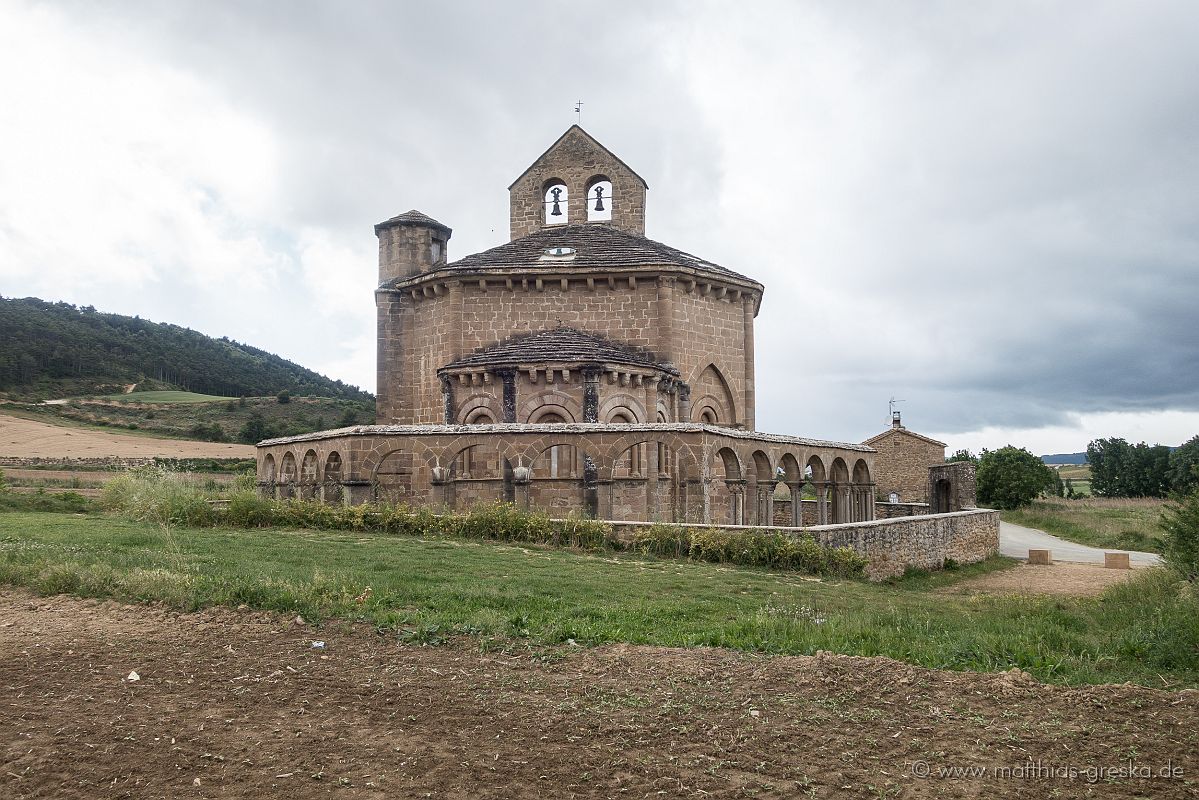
(447, 399)
(666, 347)
(796, 503)
(736, 501)
(443, 487)
(747, 302)
(653, 501)
(357, 492)
(522, 477)
(651, 399)
(454, 304)
(591, 378)
(870, 492)
(684, 402)
(508, 376)
(822, 503)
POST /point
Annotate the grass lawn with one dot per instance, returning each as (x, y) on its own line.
(508, 596)
(167, 397)
(1109, 522)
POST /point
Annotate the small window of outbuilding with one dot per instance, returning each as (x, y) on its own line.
(599, 200)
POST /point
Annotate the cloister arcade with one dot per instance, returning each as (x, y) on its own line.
(670, 472)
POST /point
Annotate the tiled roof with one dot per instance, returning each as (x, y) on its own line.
(596, 246)
(905, 432)
(558, 345)
(409, 217)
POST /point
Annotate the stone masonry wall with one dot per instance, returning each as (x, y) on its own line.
(891, 546)
(417, 337)
(902, 463)
(576, 159)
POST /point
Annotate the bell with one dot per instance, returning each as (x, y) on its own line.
(557, 210)
(599, 198)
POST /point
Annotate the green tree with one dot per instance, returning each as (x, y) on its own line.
(283, 397)
(1119, 469)
(962, 455)
(347, 419)
(255, 430)
(1180, 545)
(1011, 477)
(1184, 467)
(1109, 459)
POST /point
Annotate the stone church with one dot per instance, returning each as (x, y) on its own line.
(582, 367)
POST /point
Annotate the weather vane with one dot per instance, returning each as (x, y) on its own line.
(579, 111)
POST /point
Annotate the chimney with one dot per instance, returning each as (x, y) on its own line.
(895, 423)
(410, 244)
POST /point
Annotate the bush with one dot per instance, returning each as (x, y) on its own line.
(753, 548)
(3, 483)
(159, 495)
(41, 500)
(1180, 544)
(283, 397)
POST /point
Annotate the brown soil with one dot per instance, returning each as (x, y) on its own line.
(1059, 578)
(26, 438)
(240, 704)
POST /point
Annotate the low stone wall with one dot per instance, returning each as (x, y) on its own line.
(782, 511)
(896, 510)
(891, 545)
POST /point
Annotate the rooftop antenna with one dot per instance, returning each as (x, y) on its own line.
(891, 407)
(579, 111)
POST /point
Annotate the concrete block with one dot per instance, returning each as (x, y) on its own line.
(1116, 561)
(1040, 557)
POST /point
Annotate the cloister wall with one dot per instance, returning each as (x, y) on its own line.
(892, 546)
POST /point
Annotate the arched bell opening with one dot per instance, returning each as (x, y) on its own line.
(555, 198)
(599, 199)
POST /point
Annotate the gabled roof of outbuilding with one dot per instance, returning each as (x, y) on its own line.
(560, 345)
(595, 246)
(905, 432)
(590, 139)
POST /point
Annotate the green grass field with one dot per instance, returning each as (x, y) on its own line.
(1109, 522)
(166, 397)
(1079, 476)
(510, 596)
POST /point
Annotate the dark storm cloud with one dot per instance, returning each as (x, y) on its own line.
(989, 211)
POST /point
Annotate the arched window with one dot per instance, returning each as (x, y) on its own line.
(599, 199)
(557, 209)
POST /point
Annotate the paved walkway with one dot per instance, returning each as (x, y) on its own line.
(1016, 541)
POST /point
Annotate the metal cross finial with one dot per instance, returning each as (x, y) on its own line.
(579, 110)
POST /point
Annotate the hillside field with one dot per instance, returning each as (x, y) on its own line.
(185, 415)
(167, 396)
(25, 438)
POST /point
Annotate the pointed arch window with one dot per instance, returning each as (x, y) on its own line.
(557, 209)
(599, 199)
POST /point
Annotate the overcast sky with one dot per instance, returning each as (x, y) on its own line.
(988, 211)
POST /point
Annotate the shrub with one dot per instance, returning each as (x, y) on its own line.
(283, 397)
(1180, 544)
(159, 495)
(753, 548)
(3, 483)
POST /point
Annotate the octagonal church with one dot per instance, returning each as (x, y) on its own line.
(580, 368)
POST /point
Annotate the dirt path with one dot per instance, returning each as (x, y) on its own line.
(1084, 580)
(239, 704)
(26, 438)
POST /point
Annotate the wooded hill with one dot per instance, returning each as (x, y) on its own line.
(57, 349)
